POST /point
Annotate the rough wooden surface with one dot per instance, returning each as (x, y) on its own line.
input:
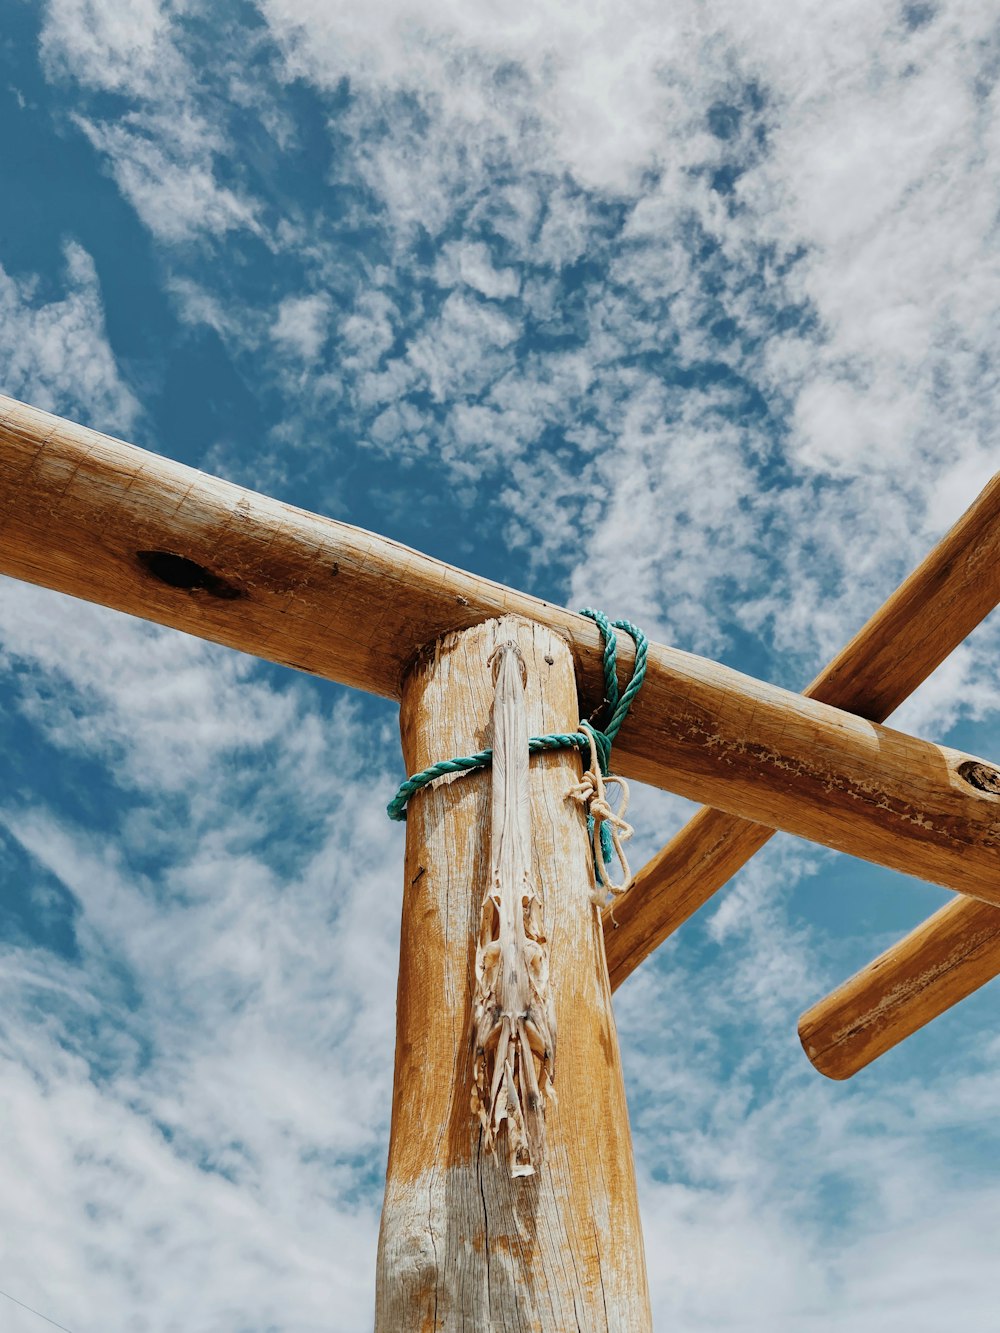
(946, 958)
(925, 619)
(513, 1016)
(105, 521)
(464, 1246)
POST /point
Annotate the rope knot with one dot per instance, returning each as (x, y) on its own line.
(608, 828)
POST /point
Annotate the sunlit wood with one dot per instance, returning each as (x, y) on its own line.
(941, 602)
(463, 1244)
(946, 958)
(105, 521)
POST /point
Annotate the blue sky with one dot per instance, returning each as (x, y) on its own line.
(687, 314)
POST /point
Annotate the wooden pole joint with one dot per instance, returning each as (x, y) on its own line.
(99, 519)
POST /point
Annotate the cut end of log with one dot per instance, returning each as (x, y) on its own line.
(817, 1056)
(947, 957)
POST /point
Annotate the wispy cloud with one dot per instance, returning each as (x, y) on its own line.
(54, 349)
(207, 1077)
(162, 151)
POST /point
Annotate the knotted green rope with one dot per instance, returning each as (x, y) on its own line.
(603, 738)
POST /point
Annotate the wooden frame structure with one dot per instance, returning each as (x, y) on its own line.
(102, 520)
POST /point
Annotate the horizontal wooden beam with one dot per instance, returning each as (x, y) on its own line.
(105, 521)
(946, 958)
(925, 619)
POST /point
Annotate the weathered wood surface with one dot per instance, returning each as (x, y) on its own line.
(514, 1017)
(946, 958)
(463, 1245)
(925, 619)
(104, 521)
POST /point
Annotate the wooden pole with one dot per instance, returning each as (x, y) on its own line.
(925, 619)
(462, 1244)
(105, 521)
(946, 958)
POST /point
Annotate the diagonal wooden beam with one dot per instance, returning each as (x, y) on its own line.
(946, 958)
(105, 521)
(929, 615)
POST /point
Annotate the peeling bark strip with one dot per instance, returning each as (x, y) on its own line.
(514, 1016)
(463, 1246)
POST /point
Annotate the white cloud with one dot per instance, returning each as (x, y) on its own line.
(473, 265)
(196, 305)
(595, 79)
(54, 350)
(369, 332)
(465, 348)
(162, 151)
(162, 163)
(302, 323)
(111, 47)
(203, 1087)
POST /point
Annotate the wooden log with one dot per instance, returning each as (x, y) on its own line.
(702, 857)
(946, 958)
(925, 619)
(463, 1245)
(102, 520)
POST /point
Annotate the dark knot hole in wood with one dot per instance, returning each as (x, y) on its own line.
(981, 776)
(177, 571)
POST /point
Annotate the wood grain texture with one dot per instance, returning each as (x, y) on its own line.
(925, 619)
(946, 958)
(105, 521)
(462, 1244)
(514, 1018)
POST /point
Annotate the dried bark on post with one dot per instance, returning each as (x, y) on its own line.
(464, 1244)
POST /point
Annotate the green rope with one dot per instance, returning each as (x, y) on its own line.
(603, 737)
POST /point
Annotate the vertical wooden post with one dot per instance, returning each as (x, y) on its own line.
(462, 1244)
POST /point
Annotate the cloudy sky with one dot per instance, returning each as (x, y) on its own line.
(684, 311)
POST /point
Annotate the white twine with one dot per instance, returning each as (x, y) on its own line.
(591, 792)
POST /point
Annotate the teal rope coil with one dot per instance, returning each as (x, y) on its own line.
(603, 737)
